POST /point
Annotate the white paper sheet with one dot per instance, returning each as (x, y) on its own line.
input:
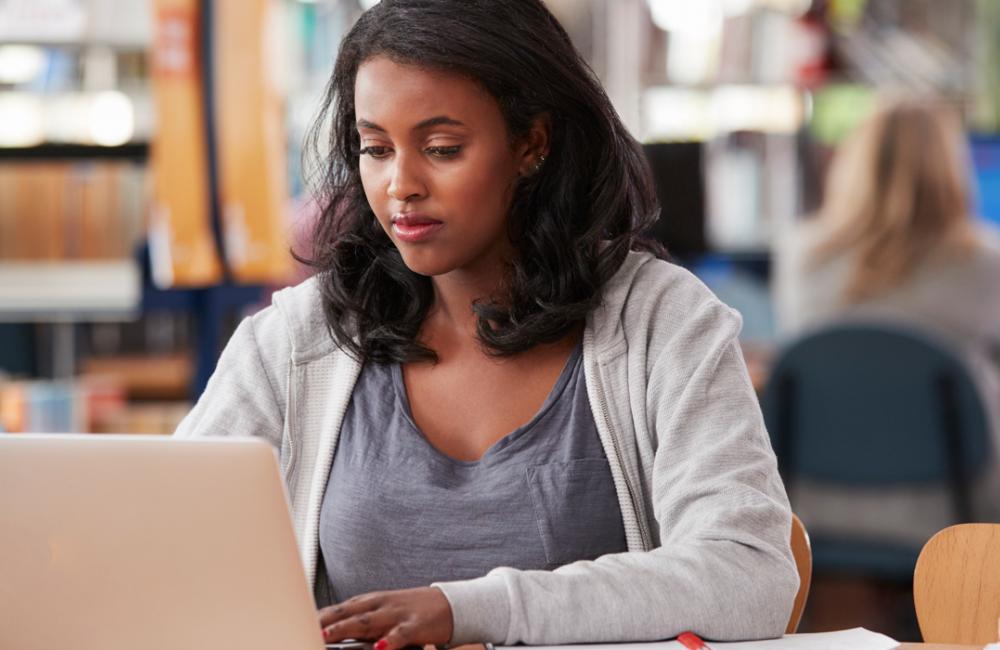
(855, 639)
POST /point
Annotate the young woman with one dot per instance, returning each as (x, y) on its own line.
(895, 240)
(498, 422)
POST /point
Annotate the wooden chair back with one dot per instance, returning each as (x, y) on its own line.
(956, 585)
(803, 562)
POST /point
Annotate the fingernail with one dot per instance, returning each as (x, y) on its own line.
(381, 644)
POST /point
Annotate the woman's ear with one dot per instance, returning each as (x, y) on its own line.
(534, 147)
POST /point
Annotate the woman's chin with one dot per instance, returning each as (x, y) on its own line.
(429, 265)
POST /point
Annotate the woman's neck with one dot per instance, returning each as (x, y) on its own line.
(456, 291)
(454, 295)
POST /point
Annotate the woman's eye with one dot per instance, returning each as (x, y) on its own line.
(375, 152)
(444, 152)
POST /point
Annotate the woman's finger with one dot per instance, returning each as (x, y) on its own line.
(348, 608)
(366, 625)
(397, 638)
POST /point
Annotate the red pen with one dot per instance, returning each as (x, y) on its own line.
(692, 641)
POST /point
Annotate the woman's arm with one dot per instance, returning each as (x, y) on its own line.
(244, 396)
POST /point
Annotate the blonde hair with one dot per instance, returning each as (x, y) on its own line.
(897, 190)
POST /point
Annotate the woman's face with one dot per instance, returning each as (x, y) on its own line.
(437, 166)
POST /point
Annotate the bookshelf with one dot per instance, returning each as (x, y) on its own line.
(740, 105)
(72, 203)
(76, 118)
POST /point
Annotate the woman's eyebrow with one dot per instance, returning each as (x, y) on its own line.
(438, 120)
(365, 124)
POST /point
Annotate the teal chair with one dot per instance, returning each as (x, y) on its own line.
(875, 405)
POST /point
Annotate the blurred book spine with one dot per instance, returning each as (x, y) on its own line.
(250, 133)
(182, 245)
(51, 211)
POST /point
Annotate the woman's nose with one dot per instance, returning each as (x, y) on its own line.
(405, 183)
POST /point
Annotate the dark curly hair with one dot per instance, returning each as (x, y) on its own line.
(572, 223)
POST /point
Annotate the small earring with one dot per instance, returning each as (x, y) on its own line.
(541, 161)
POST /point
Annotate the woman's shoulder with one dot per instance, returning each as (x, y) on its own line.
(979, 275)
(296, 315)
(658, 299)
(643, 276)
(968, 270)
(988, 238)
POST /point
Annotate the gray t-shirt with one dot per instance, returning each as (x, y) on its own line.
(398, 513)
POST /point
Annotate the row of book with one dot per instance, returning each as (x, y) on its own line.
(82, 406)
(53, 211)
(57, 406)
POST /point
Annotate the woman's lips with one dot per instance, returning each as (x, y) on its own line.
(413, 227)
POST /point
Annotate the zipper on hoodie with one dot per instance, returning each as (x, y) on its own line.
(640, 516)
(291, 406)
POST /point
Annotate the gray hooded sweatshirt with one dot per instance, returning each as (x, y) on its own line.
(706, 517)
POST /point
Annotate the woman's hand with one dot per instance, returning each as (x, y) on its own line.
(394, 618)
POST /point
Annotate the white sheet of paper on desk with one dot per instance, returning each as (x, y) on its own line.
(856, 639)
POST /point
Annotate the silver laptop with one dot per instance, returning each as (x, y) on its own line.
(135, 542)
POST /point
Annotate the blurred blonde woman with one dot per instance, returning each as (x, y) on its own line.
(895, 239)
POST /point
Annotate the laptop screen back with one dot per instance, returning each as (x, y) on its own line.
(127, 542)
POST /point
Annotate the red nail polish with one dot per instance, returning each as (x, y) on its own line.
(381, 644)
